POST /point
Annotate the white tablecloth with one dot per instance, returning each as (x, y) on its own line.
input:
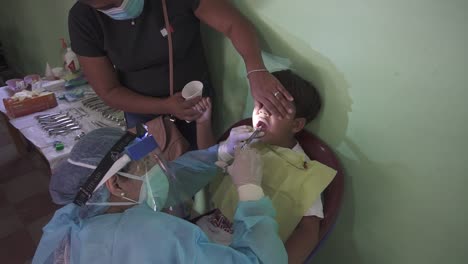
(31, 129)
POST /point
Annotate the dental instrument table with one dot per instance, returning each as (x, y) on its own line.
(29, 127)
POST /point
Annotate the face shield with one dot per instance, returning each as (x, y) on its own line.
(154, 185)
(140, 155)
(165, 190)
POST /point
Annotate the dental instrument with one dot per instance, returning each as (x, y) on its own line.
(258, 129)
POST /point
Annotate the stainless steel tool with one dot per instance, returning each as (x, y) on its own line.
(90, 99)
(39, 117)
(249, 140)
(57, 125)
(258, 129)
(99, 124)
(71, 121)
(58, 121)
(82, 134)
(80, 109)
(64, 131)
(62, 127)
(52, 117)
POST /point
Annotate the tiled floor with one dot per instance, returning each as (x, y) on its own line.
(25, 204)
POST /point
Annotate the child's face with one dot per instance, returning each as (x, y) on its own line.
(277, 131)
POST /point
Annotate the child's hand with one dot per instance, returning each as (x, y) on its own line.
(204, 107)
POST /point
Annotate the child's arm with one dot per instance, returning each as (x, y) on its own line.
(205, 137)
(303, 240)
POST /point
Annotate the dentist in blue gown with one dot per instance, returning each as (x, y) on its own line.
(116, 225)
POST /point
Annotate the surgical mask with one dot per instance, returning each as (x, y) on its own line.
(157, 188)
(129, 9)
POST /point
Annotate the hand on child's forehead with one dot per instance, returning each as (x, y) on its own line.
(289, 105)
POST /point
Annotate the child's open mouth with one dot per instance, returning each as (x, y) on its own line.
(261, 124)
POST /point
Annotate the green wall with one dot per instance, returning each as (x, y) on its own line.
(393, 76)
(30, 31)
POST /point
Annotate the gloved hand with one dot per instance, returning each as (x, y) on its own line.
(246, 173)
(247, 167)
(236, 137)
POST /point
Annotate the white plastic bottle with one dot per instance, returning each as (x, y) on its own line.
(71, 61)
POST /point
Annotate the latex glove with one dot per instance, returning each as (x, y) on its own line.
(246, 173)
(270, 93)
(236, 137)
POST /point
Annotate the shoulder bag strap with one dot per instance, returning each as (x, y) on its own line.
(169, 42)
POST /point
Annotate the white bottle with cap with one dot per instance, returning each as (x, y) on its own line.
(71, 61)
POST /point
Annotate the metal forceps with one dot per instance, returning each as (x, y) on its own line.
(254, 135)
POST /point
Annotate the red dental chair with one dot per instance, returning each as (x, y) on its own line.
(333, 194)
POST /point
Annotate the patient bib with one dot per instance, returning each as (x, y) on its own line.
(291, 181)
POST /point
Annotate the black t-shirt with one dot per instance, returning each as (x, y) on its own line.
(139, 52)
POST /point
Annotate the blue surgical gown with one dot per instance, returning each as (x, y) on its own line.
(140, 235)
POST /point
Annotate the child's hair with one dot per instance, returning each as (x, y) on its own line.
(306, 98)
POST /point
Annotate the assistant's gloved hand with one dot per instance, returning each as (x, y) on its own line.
(236, 137)
(246, 173)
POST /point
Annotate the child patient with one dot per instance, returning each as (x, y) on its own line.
(291, 180)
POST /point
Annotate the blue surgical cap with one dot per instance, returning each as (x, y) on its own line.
(68, 178)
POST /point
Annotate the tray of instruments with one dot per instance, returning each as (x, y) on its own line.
(58, 123)
(95, 104)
